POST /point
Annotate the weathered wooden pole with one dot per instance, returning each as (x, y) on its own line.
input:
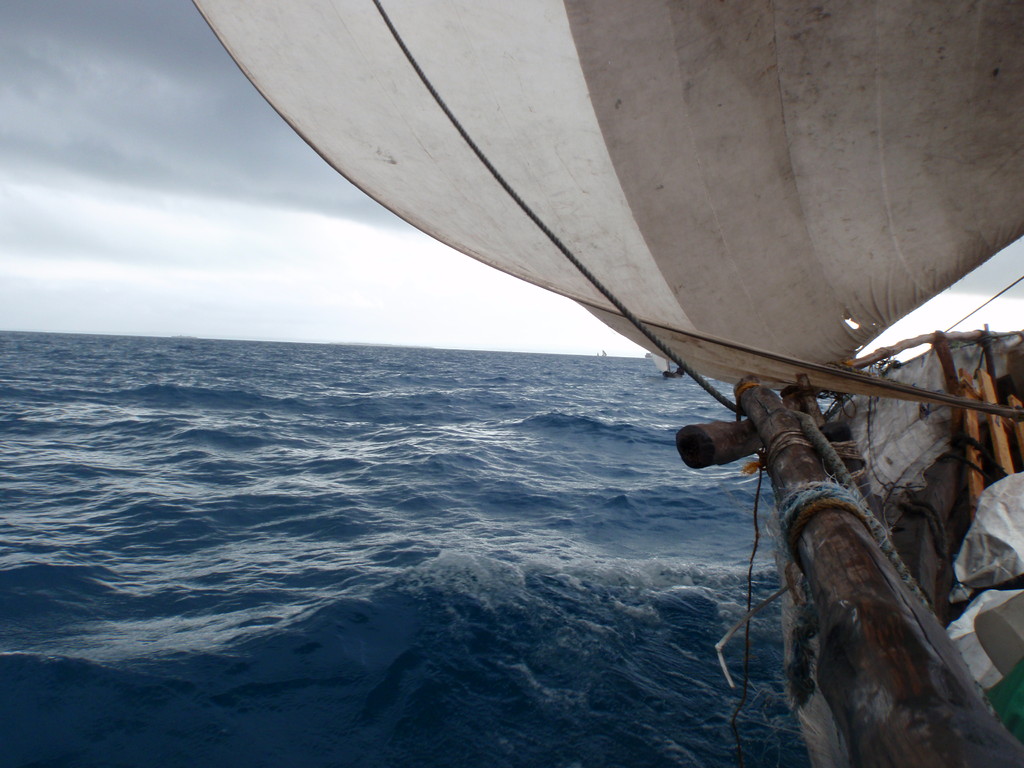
(723, 442)
(717, 442)
(898, 690)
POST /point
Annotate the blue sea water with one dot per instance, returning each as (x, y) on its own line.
(218, 553)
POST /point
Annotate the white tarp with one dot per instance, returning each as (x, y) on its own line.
(786, 179)
(962, 633)
(900, 440)
(993, 550)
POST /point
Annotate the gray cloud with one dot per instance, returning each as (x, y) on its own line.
(142, 94)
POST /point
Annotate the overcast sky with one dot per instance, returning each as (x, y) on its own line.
(146, 188)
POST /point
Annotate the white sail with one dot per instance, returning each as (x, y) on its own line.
(761, 182)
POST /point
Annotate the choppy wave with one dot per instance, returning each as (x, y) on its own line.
(230, 553)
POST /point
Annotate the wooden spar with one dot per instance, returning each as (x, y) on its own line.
(803, 398)
(723, 442)
(898, 690)
(926, 338)
(717, 442)
(989, 357)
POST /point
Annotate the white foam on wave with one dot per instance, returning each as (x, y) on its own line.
(638, 590)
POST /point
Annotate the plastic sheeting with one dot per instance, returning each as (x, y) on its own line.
(962, 633)
(993, 550)
(900, 440)
(747, 178)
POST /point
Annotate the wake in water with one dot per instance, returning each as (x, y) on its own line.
(226, 553)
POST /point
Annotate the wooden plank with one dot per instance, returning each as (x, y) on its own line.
(1000, 445)
(975, 478)
(899, 692)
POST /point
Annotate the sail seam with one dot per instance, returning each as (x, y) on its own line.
(552, 237)
(883, 173)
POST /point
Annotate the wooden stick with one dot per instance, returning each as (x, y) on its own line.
(898, 690)
(1017, 428)
(1000, 445)
(717, 442)
(882, 353)
(940, 344)
(975, 478)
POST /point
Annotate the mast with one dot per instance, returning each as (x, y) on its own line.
(898, 691)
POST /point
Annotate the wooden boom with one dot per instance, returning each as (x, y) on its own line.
(899, 691)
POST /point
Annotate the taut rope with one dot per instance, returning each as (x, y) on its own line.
(656, 340)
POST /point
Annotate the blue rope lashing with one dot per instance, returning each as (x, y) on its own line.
(801, 504)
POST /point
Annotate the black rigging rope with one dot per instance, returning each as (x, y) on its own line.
(746, 628)
(985, 304)
(552, 237)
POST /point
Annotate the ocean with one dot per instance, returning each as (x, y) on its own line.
(226, 553)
